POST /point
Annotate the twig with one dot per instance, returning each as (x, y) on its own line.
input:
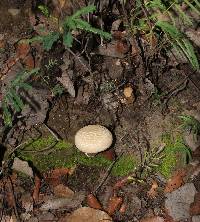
(89, 70)
(179, 87)
(14, 199)
(106, 174)
(51, 131)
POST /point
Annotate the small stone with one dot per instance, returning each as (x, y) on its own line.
(178, 202)
(196, 218)
(22, 166)
(14, 11)
(192, 141)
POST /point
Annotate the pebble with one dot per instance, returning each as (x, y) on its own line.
(178, 202)
(14, 11)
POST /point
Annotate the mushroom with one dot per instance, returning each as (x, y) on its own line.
(93, 139)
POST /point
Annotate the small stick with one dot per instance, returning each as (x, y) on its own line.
(14, 199)
(89, 70)
(106, 174)
(51, 131)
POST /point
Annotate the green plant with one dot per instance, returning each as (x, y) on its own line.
(51, 63)
(151, 16)
(12, 101)
(58, 90)
(67, 26)
(189, 123)
(150, 160)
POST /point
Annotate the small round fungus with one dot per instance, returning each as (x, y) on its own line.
(93, 139)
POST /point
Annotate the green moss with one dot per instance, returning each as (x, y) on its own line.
(63, 154)
(125, 165)
(176, 154)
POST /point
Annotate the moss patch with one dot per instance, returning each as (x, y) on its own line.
(176, 154)
(47, 153)
(124, 166)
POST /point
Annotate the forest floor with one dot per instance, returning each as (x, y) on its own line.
(147, 96)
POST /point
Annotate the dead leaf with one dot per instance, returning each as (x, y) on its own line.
(116, 49)
(153, 219)
(152, 193)
(67, 202)
(109, 154)
(176, 181)
(54, 176)
(63, 191)
(120, 183)
(114, 204)
(36, 189)
(29, 61)
(61, 3)
(195, 206)
(27, 202)
(22, 50)
(93, 202)
(122, 209)
(67, 83)
(87, 214)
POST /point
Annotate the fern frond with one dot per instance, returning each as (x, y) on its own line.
(155, 4)
(192, 7)
(184, 17)
(44, 10)
(67, 39)
(7, 117)
(49, 40)
(84, 11)
(17, 99)
(188, 50)
(197, 3)
(81, 24)
(169, 29)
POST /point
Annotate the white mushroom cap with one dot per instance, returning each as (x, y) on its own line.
(93, 139)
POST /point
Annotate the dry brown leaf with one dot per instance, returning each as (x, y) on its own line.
(195, 206)
(153, 219)
(63, 191)
(54, 176)
(176, 181)
(93, 202)
(22, 50)
(120, 183)
(53, 203)
(87, 214)
(114, 204)
(36, 189)
(152, 193)
(29, 61)
(109, 154)
(67, 83)
(122, 209)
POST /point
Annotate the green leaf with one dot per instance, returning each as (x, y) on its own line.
(12, 102)
(67, 39)
(84, 11)
(188, 50)
(44, 10)
(49, 40)
(25, 86)
(7, 117)
(169, 29)
(17, 99)
(81, 24)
